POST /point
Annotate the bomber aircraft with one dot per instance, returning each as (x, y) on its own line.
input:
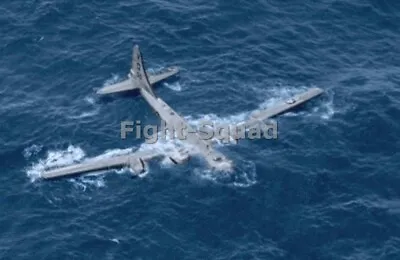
(139, 79)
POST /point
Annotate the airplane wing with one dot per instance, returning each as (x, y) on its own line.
(282, 107)
(128, 85)
(136, 161)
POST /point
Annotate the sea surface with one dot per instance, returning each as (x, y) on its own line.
(327, 188)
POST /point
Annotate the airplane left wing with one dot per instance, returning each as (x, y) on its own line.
(284, 106)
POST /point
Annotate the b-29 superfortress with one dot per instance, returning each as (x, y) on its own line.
(141, 80)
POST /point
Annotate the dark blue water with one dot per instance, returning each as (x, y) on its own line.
(328, 188)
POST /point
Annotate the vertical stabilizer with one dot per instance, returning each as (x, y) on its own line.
(138, 71)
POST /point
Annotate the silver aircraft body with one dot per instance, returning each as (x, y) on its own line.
(128, 84)
(214, 159)
(138, 79)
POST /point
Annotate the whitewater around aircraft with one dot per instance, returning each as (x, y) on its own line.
(195, 145)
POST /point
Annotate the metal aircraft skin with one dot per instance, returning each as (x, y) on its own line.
(138, 79)
(127, 84)
(172, 118)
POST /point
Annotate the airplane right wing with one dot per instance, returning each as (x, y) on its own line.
(136, 161)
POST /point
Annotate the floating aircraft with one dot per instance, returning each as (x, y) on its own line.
(137, 161)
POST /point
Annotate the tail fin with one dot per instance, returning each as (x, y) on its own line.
(138, 71)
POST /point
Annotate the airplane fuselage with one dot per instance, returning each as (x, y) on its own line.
(214, 158)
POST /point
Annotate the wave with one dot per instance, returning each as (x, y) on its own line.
(54, 159)
(176, 86)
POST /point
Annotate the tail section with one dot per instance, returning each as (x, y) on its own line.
(138, 72)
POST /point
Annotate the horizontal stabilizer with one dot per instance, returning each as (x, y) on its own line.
(128, 84)
(118, 87)
(162, 75)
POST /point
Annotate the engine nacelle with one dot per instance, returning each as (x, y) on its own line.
(137, 165)
(182, 157)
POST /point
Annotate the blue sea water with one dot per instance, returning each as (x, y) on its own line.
(328, 188)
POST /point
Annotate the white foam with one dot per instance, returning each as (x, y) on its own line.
(325, 111)
(167, 146)
(273, 95)
(90, 100)
(113, 152)
(115, 240)
(73, 155)
(56, 159)
(143, 174)
(32, 150)
(243, 175)
(97, 182)
(84, 181)
(85, 114)
(115, 78)
(217, 121)
(93, 110)
(121, 170)
(78, 185)
(173, 86)
(39, 38)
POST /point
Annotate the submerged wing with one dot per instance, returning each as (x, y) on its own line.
(282, 107)
(118, 87)
(134, 160)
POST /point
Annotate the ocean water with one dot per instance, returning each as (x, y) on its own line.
(328, 188)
